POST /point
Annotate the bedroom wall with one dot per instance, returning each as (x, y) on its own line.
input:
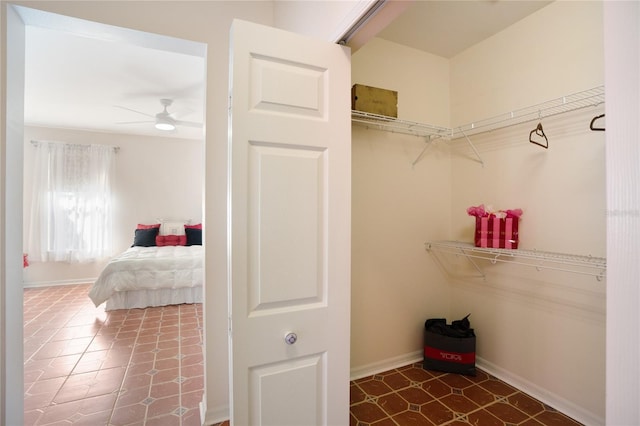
(395, 208)
(155, 178)
(543, 330)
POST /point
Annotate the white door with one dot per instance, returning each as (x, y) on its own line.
(290, 188)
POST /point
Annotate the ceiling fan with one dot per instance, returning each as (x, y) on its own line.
(162, 120)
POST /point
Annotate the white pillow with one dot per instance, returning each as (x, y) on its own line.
(172, 227)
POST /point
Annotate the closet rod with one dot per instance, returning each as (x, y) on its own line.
(36, 143)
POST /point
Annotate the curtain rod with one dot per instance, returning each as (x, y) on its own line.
(36, 143)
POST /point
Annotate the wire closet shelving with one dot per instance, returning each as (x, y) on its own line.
(394, 125)
(587, 265)
(575, 101)
(572, 102)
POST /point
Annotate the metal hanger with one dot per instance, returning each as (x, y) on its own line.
(539, 132)
(597, 117)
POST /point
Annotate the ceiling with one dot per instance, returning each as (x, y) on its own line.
(90, 76)
(446, 28)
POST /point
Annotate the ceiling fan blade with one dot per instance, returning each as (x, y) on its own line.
(188, 124)
(133, 110)
(135, 122)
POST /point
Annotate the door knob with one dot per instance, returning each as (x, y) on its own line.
(290, 338)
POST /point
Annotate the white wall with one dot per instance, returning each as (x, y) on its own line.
(554, 52)
(395, 208)
(155, 178)
(622, 78)
(542, 330)
(421, 79)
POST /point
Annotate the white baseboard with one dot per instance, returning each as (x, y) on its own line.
(203, 410)
(76, 281)
(572, 410)
(385, 365)
(213, 416)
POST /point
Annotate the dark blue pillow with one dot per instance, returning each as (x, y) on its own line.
(194, 236)
(145, 237)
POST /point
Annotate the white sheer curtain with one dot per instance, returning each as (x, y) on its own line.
(71, 210)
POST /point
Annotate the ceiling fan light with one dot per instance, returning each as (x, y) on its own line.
(165, 125)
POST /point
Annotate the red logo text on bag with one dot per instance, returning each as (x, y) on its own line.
(457, 357)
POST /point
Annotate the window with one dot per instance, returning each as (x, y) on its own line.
(71, 213)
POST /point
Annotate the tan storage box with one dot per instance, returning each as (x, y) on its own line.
(374, 100)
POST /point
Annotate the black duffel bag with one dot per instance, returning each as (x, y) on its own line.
(450, 348)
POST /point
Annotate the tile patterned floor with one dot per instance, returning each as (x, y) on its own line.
(145, 367)
(127, 367)
(410, 396)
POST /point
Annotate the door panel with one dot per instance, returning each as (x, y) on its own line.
(290, 159)
(276, 385)
(287, 87)
(286, 219)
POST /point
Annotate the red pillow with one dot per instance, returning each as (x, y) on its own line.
(141, 226)
(171, 240)
(196, 226)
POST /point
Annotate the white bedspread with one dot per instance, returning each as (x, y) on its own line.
(150, 268)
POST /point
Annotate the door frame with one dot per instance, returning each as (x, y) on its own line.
(11, 292)
(11, 231)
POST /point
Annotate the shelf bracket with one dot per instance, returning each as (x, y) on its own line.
(475, 265)
(429, 247)
(427, 145)
(475, 151)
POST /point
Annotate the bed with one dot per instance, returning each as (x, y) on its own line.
(158, 270)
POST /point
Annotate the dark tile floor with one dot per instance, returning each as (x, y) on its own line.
(411, 395)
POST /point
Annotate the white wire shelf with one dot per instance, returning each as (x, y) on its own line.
(575, 101)
(395, 125)
(587, 265)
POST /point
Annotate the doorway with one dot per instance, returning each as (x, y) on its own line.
(141, 96)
